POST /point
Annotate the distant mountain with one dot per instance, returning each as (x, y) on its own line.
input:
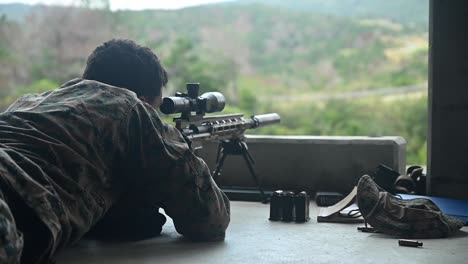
(303, 45)
(411, 12)
(293, 48)
(15, 11)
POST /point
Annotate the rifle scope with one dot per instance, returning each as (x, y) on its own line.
(190, 102)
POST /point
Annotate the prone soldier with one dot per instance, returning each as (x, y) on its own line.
(93, 157)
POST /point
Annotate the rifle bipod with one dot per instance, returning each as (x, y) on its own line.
(237, 146)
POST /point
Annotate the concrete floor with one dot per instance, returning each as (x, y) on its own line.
(251, 238)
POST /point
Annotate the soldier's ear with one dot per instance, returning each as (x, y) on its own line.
(142, 98)
(153, 101)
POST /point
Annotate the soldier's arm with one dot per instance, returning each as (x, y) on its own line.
(200, 210)
(177, 180)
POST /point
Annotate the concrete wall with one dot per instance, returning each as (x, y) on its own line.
(308, 162)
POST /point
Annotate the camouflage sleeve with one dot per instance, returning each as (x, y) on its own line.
(175, 179)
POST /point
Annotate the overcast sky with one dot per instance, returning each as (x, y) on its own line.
(128, 4)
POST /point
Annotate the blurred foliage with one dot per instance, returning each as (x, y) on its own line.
(405, 117)
(184, 65)
(39, 86)
(262, 56)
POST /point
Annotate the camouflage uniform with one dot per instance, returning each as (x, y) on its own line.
(90, 152)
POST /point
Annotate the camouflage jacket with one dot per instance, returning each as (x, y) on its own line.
(74, 153)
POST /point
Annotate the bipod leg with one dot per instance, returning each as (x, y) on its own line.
(218, 153)
(219, 162)
(250, 164)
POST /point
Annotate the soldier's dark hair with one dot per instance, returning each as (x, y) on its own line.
(124, 63)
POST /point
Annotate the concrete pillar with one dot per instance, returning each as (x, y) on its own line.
(448, 99)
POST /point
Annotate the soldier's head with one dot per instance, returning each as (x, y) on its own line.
(124, 63)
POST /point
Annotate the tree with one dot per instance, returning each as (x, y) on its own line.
(185, 64)
(97, 4)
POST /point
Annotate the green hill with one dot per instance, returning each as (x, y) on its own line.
(310, 45)
(299, 50)
(287, 46)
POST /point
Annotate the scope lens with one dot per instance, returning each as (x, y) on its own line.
(212, 102)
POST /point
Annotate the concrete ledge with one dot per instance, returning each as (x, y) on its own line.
(310, 163)
(251, 238)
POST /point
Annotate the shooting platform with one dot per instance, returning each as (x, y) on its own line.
(252, 238)
(309, 163)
